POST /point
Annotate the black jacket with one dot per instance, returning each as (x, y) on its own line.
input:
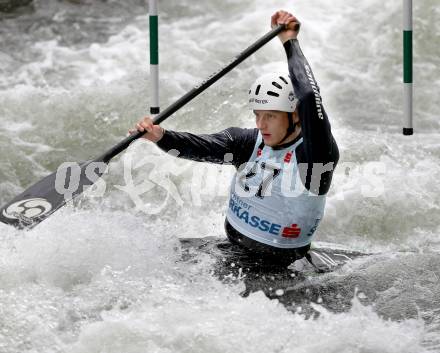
(235, 145)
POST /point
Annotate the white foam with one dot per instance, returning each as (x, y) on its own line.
(71, 248)
(227, 323)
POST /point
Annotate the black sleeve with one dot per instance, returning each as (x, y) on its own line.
(319, 145)
(230, 146)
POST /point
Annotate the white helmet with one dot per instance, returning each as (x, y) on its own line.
(273, 91)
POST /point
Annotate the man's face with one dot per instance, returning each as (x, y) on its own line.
(272, 124)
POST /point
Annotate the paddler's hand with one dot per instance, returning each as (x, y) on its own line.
(152, 132)
(283, 17)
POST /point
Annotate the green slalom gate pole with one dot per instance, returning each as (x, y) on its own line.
(154, 57)
(408, 67)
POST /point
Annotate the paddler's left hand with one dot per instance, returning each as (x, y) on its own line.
(293, 25)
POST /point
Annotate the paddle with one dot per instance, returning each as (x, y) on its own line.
(49, 194)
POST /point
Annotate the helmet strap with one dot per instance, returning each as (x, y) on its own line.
(290, 128)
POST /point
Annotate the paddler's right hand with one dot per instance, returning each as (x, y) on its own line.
(153, 132)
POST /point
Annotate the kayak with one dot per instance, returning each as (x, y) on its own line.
(287, 284)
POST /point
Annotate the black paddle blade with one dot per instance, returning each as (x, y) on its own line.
(45, 197)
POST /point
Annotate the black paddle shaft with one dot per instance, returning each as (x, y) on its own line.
(43, 198)
(107, 156)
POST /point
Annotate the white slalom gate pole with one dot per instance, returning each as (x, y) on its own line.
(408, 67)
(154, 57)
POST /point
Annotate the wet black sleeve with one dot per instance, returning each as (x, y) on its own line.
(230, 146)
(319, 146)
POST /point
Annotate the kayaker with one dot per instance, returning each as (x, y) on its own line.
(284, 165)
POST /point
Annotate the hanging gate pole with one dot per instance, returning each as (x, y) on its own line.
(154, 57)
(408, 67)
